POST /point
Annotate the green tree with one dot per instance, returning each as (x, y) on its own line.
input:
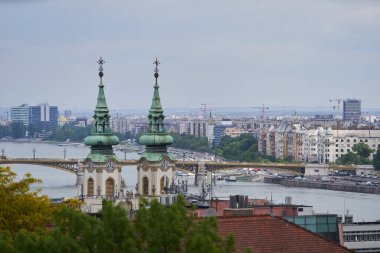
(349, 158)
(363, 150)
(17, 130)
(191, 142)
(19, 207)
(361, 155)
(376, 160)
(5, 131)
(163, 229)
(204, 238)
(242, 148)
(157, 228)
(69, 132)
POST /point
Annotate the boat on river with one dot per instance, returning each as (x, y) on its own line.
(231, 179)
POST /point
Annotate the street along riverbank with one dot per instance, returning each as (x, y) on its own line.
(323, 185)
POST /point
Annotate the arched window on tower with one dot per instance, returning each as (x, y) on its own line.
(110, 187)
(164, 184)
(145, 186)
(90, 187)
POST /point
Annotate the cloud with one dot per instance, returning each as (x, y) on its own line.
(228, 53)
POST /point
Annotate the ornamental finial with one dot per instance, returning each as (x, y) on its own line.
(101, 62)
(156, 62)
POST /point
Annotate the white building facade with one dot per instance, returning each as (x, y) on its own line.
(315, 145)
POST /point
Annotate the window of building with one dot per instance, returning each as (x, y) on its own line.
(354, 140)
(164, 184)
(348, 150)
(341, 140)
(348, 140)
(336, 145)
(336, 150)
(110, 187)
(365, 140)
(145, 186)
(342, 150)
(348, 145)
(90, 187)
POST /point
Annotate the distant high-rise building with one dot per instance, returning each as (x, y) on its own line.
(352, 110)
(198, 128)
(184, 127)
(219, 130)
(41, 115)
(20, 114)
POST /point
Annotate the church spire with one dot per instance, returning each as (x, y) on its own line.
(101, 138)
(156, 139)
(156, 113)
(101, 110)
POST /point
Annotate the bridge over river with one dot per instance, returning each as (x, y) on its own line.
(73, 165)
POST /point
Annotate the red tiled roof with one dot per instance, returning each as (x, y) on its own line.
(265, 233)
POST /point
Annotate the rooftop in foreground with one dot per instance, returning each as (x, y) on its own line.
(265, 233)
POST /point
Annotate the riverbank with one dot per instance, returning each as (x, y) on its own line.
(31, 141)
(322, 185)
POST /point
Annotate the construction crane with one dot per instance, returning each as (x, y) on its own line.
(203, 110)
(336, 110)
(336, 107)
(262, 108)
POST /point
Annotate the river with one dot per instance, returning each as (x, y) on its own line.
(57, 183)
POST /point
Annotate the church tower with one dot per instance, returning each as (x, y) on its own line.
(101, 169)
(155, 167)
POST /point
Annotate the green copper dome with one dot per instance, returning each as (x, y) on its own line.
(156, 138)
(101, 139)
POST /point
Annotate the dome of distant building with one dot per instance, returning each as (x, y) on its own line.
(62, 120)
(329, 131)
(321, 130)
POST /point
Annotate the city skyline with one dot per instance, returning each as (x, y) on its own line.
(241, 54)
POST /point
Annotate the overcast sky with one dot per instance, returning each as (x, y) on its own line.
(226, 53)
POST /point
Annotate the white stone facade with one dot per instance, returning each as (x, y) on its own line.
(315, 145)
(154, 178)
(184, 127)
(342, 141)
(198, 128)
(102, 179)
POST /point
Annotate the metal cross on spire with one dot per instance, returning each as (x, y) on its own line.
(156, 62)
(101, 62)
